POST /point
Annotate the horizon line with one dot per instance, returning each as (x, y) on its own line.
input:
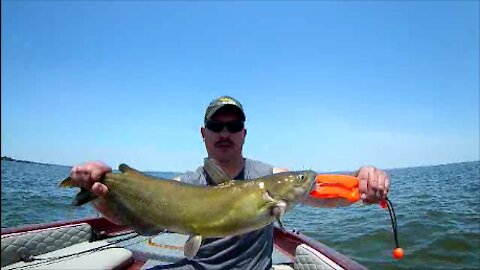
(8, 158)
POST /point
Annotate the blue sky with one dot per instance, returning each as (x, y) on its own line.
(325, 85)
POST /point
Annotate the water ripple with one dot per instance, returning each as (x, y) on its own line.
(437, 207)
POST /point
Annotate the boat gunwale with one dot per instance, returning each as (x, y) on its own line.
(291, 239)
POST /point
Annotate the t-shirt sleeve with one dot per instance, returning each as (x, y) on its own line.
(197, 177)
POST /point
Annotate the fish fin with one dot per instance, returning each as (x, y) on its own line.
(147, 229)
(66, 183)
(124, 168)
(192, 246)
(216, 173)
(83, 197)
(276, 206)
(278, 210)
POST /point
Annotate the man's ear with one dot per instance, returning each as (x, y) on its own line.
(202, 132)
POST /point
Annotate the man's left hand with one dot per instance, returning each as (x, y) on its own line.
(373, 185)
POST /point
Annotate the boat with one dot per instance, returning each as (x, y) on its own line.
(96, 243)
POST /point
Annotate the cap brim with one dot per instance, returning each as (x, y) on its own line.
(216, 109)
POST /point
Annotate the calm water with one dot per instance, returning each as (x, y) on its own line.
(437, 207)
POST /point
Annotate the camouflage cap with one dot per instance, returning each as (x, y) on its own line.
(221, 102)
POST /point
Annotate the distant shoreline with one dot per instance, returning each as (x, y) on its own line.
(6, 158)
(26, 161)
(42, 163)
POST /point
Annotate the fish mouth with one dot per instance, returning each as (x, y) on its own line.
(313, 186)
(302, 191)
(306, 187)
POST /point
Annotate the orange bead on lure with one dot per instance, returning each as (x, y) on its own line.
(344, 188)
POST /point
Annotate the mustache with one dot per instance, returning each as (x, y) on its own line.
(224, 142)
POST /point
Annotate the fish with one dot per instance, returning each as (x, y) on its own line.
(151, 205)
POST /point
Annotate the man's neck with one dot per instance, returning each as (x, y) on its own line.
(232, 167)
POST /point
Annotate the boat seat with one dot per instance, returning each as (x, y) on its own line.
(307, 258)
(58, 241)
(109, 258)
(20, 245)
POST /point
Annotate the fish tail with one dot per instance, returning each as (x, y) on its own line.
(66, 183)
(83, 197)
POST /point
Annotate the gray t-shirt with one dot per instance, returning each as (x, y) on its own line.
(251, 250)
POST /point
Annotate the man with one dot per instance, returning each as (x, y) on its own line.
(224, 135)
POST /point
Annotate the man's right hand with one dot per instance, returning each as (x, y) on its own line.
(87, 176)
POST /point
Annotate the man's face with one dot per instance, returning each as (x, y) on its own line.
(224, 145)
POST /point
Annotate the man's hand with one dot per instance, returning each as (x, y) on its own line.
(373, 185)
(87, 176)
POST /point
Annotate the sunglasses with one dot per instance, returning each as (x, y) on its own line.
(217, 126)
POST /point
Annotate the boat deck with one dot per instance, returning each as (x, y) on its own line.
(167, 248)
(96, 243)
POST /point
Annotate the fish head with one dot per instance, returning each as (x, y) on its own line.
(291, 186)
